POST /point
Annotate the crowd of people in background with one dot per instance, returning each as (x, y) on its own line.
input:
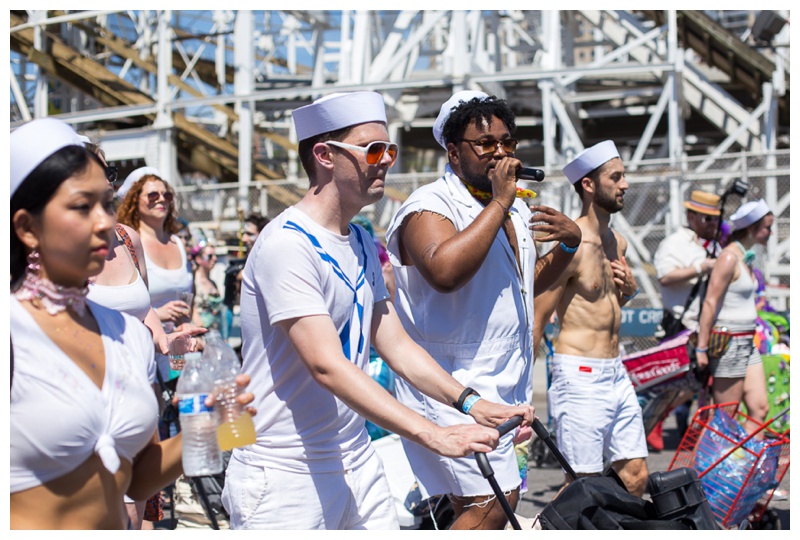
(445, 313)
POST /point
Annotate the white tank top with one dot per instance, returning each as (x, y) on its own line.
(166, 284)
(738, 310)
(133, 298)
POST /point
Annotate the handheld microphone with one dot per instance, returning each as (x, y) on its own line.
(529, 173)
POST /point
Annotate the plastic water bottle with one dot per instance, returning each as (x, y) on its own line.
(236, 427)
(201, 453)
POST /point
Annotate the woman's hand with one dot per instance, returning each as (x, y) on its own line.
(186, 329)
(176, 311)
(702, 360)
(244, 398)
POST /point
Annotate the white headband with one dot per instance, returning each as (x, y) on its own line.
(589, 160)
(34, 142)
(749, 213)
(338, 111)
(447, 108)
(134, 177)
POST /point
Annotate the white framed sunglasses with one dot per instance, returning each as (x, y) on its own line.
(373, 152)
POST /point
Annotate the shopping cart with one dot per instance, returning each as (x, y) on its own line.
(738, 471)
(663, 377)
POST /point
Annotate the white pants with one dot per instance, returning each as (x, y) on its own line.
(267, 498)
(595, 411)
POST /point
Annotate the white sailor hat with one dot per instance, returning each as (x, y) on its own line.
(589, 160)
(336, 111)
(448, 106)
(34, 142)
(134, 177)
(749, 213)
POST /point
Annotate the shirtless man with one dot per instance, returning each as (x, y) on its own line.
(591, 398)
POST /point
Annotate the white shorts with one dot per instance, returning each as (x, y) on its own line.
(267, 498)
(596, 413)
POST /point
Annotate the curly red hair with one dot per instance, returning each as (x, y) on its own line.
(128, 211)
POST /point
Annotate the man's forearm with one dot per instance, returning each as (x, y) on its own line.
(679, 275)
(421, 371)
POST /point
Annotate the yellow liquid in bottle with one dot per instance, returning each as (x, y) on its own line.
(240, 432)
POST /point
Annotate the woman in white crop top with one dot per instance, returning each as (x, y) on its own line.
(82, 415)
(730, 307)
(122, 285)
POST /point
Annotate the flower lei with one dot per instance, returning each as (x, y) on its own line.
(486, 196)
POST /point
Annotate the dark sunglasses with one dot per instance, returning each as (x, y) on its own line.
(709, 219)
(373, 152)
(489, 146)
(153, 196)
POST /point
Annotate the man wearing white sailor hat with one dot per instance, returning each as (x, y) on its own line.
(465, 263)
(595, 409)
(313, 300)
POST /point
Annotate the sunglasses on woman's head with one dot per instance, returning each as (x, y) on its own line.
(111, 173)
(153, 196)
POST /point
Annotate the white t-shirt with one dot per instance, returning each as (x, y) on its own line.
(681, 249)
(298, 268)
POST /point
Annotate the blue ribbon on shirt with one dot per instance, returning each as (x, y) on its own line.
(344, 335)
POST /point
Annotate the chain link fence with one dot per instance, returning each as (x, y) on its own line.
(653, 209)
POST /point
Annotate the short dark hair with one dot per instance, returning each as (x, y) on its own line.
(477, 110)
(38, 188)
(306, 146)
(257, 219)
(594, 176)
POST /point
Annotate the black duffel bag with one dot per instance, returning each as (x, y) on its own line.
(601, 503)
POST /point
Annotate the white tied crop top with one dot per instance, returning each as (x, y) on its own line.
(59, 417)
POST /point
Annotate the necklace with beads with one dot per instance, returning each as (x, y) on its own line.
(53, 298)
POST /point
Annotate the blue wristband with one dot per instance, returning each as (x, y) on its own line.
(568, 249)
(469, 402)
(631, 297)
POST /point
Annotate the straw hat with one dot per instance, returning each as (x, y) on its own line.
(703, 202)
